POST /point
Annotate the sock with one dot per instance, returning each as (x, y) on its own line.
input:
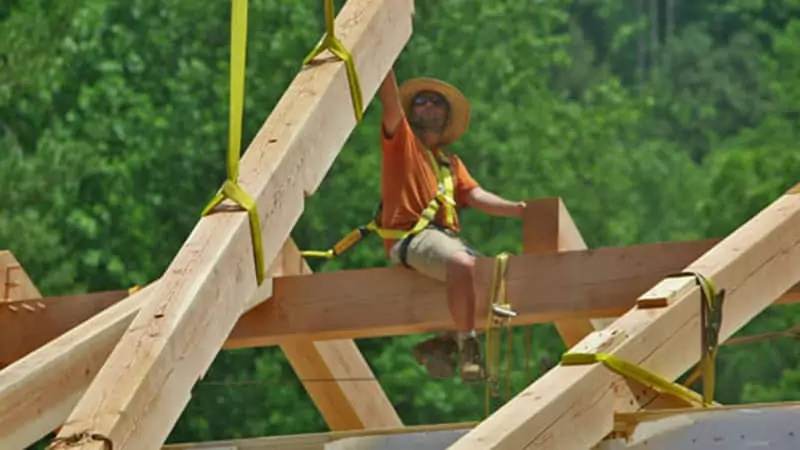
(462, 336)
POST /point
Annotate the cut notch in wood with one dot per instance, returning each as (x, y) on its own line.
(665, 292)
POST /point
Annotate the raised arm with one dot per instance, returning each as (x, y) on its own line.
(389, 95)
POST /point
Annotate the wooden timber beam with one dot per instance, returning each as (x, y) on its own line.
(37, 393)
(336, 375)
(573, 406)
(394, 301)
(141, 390)
(16, 285)
(341, 384)
(29, 323)
(548, 228)
(14, 281)
(61, 315)
(391, 301)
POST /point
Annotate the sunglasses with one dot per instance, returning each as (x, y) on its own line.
(437, 100)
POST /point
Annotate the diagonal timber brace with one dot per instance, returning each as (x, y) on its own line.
(335, 374)
(573, 406)
(38, 392)
(40, 389)
(141, 390)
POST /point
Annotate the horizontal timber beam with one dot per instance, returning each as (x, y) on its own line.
(603, 282)
(62, 315)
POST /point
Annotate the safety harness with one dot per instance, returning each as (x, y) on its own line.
(440, 163)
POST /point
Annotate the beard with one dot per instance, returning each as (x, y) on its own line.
(427, 124)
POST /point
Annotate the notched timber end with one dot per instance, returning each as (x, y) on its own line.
(665, 292)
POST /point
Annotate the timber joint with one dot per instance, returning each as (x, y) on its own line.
(80, 438)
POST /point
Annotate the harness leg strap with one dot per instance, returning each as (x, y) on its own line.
(402, 250)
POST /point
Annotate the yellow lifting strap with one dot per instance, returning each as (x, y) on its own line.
(231, 189)
(711, 320)
(631, 370)
(444, 198)
(331, 43)
(710, 324)
(498, 316)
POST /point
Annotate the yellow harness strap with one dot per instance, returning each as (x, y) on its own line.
(444, 198)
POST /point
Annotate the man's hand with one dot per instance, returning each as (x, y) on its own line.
(493, 204)
(520, 208)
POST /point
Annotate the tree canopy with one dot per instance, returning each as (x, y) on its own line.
(654, 120)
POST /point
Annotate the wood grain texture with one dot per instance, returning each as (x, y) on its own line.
(140, 392)
(337, 377)
(548, 228)
(29, 323)
(602, 282)
(14, 281)
(573, 406)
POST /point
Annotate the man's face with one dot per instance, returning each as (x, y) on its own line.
(429, 111)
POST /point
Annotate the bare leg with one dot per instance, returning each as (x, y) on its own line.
(445, 258)
(461, 300)
(461, 296)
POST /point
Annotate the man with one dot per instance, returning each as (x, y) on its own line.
(426, 114)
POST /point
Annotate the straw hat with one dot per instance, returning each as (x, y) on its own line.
(459, 106)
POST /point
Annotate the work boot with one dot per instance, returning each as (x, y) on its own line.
(438, 354)
(470, 356)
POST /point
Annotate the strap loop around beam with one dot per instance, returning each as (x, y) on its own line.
(231, 189)
(331, 43)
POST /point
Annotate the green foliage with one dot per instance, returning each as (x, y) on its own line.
(113, 126)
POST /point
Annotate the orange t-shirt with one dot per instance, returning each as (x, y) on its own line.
(408, 182)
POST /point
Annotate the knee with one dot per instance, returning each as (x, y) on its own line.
(461, 266)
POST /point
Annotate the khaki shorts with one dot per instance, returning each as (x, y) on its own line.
(429, 251)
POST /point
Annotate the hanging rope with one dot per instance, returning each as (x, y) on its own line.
(231, 189)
